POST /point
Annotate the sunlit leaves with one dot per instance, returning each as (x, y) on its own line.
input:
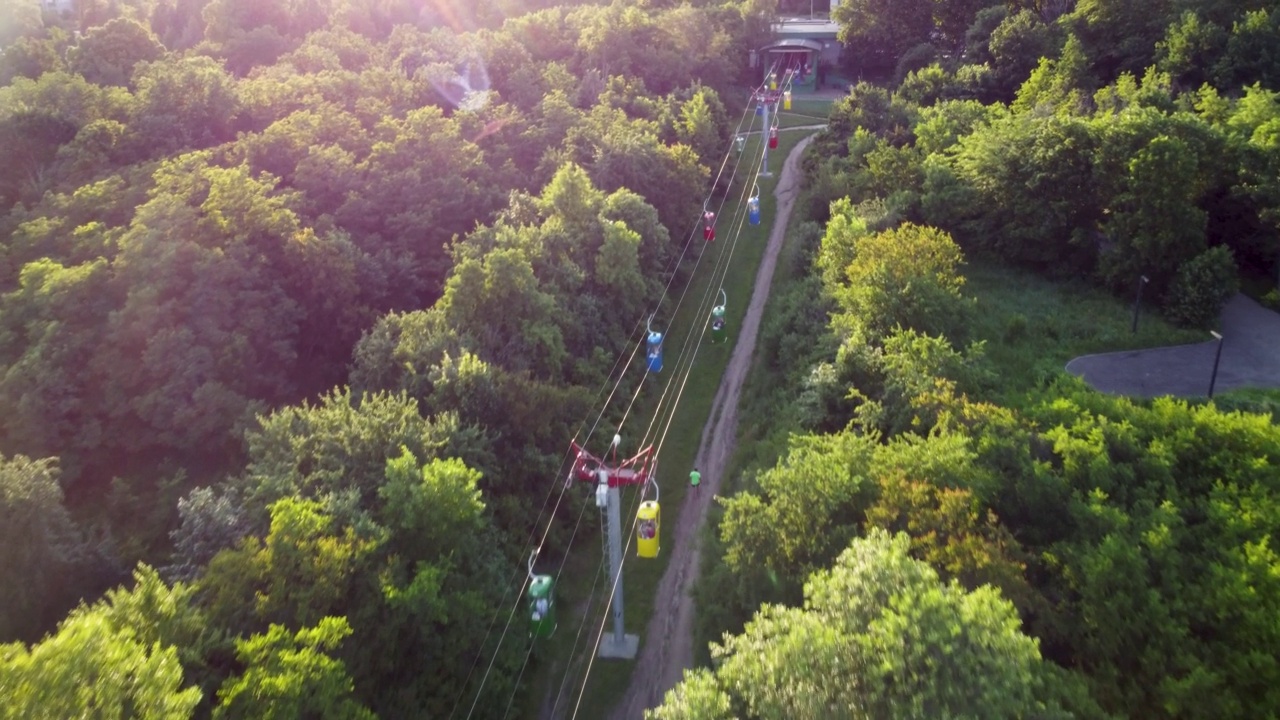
(1172, 507)
(94, 667)
(107, 54)
(292, 675)
(906, 277)
(878, 636)
(44, 546)
(339, 444)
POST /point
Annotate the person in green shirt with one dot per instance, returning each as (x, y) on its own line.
(695, 478)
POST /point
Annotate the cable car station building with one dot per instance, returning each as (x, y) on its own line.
(808, 44)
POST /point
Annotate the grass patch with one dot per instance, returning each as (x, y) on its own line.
(1251, 400)
(805, 112)
(609, 678)
(1033, 325)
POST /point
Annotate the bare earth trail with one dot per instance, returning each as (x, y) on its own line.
(667, 649)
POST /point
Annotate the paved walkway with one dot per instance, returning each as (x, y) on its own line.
(1250, 359)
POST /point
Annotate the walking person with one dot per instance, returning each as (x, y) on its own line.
(695, 479)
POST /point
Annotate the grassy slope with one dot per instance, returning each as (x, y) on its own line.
(1033, 326)
(608, 679)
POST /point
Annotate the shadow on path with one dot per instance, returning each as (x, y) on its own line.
(1250, 359)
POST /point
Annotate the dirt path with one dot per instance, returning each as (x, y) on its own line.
(668, 643)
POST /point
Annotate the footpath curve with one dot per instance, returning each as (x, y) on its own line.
(1250, 358)
(667, 649)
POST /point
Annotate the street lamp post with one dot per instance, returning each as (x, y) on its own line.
(1137, 303)
(1216, 359)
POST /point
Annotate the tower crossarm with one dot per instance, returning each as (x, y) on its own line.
(631, 471)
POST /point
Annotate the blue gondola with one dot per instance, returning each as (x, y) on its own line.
(654, 353)
(753, 207)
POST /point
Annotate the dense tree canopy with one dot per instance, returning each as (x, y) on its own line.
(301, 301)
(878, 636)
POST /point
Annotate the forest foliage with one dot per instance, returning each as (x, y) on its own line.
(1133, 539)
(300, 303)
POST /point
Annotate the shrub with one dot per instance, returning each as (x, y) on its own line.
(1201, 287)
(917, 58)
(1272, 300)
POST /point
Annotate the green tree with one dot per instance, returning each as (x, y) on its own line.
(1189, 47)
(876, 33)
(1022, 188)
(1250, 55)
(1156, 221)
(1062, 84)
(809, 506)
(30, 58)
(209, 524)
(183, 103)
(619, 153)
(92, 668)
(169, 616)
(952, 18)
(906, 277)
(291, 675)
(1202, 287)
(29, 142)
(1016, 47)
(479, 300)
(1170, 514)
(46, 547)
(207, 329)
(421, 184)
(19, 19)
(339, 444)
(879, 636)
(1120, 35)
(55, 323)
(107, 54)
(702, 125)
(943, 124)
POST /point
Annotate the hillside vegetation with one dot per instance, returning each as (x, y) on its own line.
(912, 412)
(301, 303)
(300, 306)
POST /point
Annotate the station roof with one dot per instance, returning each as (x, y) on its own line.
(819, 27)
(794, 44)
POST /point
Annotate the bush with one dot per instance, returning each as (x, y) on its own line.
(1015, 328)
(931, 84)
(908, 277)
(917, 58)
(1272, 300)
(1202, 286)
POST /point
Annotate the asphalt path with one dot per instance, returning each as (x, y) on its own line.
(1250, 359)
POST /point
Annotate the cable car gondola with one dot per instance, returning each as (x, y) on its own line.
(719, 329)
(649, 525)
(753, 206)
(654, 353)
(542, 603)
